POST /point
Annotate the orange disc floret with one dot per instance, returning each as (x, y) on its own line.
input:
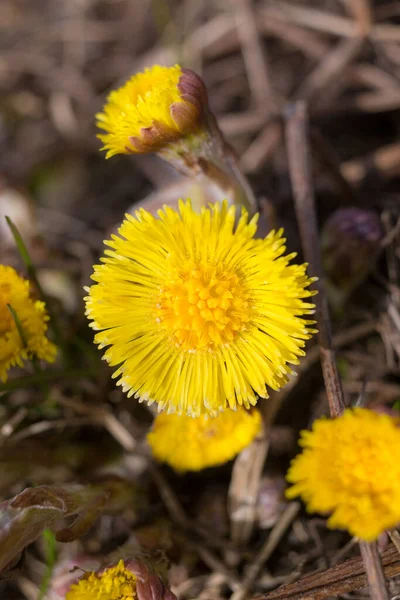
(32, 316)
(350, 467)
(197, 314)
(188, 444)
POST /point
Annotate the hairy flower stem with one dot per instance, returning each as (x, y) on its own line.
(207, 156)
(299, 157)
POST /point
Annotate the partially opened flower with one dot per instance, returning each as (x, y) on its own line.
(350, 467)
(129, 580)
(152, 109)
(17, 345)
(165, 110)
(188, 444)
(198, 315)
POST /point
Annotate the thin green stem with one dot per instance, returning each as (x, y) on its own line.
(18, 324)
(50, 548)
(22, 335)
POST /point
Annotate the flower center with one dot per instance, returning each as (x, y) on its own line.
(203, 306)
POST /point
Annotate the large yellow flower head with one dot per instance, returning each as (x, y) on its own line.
(152, 109)
(198, 315)
(116, 583)
(14, 292)
(350, 467)
(188, 444)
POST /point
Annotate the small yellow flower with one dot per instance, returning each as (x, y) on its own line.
(198, 315)
(116, 583)
(188, 444)
(152, 109)
(350, 467)
(14, 291)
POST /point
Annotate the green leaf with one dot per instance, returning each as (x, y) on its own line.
(50, 549)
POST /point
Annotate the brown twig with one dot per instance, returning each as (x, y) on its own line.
(375, 574)
(341, 579)
(300, 174)
(298, 149)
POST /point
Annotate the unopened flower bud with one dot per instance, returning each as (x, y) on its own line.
(350, 241)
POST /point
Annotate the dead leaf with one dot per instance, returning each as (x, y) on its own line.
(24, 517)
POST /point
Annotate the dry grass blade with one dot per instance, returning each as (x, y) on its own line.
(262, 148)
(311, 18)
(332, 66)
(373, 102)
(267, 549)
(312, 44)
(375, 574)
(244, 487)
(253, 53)
(386, 160)
(362, 13)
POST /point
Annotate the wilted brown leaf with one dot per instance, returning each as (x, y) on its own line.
(24, 517)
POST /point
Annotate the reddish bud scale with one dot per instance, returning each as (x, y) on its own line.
(186, 114)
(193, 90)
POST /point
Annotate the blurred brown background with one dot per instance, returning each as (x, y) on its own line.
(59, 59)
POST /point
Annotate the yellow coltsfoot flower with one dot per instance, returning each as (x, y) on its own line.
(152, 109)
(350, 467)
(198, 315)
(188, 444)
(15, 292)
(115, 583)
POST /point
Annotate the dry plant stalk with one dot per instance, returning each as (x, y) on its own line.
(300, 174)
